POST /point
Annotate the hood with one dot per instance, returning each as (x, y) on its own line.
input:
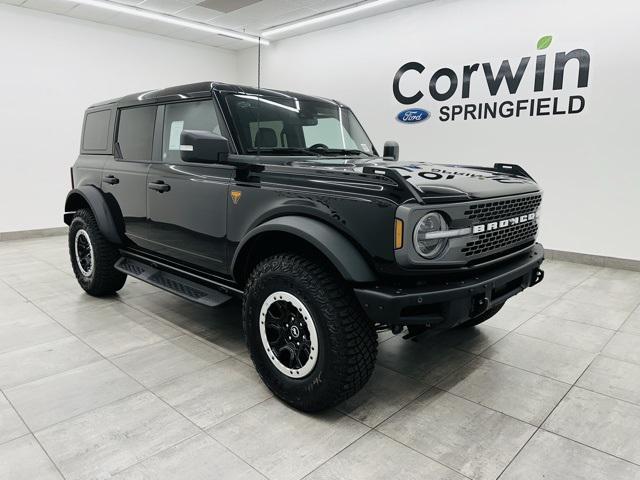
(435, 181)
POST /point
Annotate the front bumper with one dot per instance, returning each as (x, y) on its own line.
(446, 304)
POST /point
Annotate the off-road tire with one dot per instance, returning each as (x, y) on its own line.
(483, 317)
(347, 340)
(104, 278)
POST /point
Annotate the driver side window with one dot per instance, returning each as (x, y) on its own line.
(200, 115)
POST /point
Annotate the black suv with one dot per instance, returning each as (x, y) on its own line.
(213, 191)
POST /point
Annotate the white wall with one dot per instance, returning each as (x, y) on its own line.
(588, 164)
(53, 67)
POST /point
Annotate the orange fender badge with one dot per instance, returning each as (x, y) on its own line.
(235, 196)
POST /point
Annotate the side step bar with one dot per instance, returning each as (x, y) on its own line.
(172, 283)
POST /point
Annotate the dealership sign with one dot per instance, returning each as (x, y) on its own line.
(445, 82)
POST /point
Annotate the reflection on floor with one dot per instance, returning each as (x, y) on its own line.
(146, 385)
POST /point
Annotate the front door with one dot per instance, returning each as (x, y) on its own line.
(124, 179)
(187, 202)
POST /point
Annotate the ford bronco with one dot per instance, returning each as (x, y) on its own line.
(213, 191)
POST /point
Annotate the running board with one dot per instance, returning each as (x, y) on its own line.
(172, 283)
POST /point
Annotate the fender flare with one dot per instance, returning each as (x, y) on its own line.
(96, 200)
(332, 243)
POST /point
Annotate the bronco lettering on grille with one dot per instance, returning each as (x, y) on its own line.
(487, 227)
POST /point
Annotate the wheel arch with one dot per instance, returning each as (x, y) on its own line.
(304, 235)
(89, 196)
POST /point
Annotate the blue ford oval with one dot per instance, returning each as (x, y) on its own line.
(413, 115)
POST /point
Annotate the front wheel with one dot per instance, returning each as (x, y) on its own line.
(93, 257)
(309, 340)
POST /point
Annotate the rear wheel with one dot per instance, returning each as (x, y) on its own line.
(483, 317)
(309, 340)
(93, 256)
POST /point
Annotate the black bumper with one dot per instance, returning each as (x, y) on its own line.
(450, 303)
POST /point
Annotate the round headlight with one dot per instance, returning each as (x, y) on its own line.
(429, 246)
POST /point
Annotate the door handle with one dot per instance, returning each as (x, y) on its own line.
(159, 186)
(111, 180)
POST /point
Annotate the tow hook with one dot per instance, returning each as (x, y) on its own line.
(480, 304)
(536, 277)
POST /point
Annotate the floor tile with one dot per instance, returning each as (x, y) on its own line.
(537, 356)
(119, 338)
(624, 346)
(378, 457)
(28, 331)
(168, 359)
(11, 426)
(104, 441)
(614, 378)
(24, 459)
(215, 393)
(198, 458)
(293, 445)
(566, 332)
(509, 318)
(550, 457)
(532, 301)
(605, 317)
(632, 325)
(33, 363)
(384, 394)
(421, 358)
(473, 339)
(59, 397)
(520, 394)
(593, 294)
(471, 439)
(600, 422)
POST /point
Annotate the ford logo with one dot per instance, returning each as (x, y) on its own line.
(413, 115)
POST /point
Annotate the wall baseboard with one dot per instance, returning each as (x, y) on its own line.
(39, 233)
(597, 260)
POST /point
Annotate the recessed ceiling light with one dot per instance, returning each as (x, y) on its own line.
(160, 17)
(325, 16)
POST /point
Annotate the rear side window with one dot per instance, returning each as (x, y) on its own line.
(96, 131)
(135, 133)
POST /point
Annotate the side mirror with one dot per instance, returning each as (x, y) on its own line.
(391, 150)
(203, 147)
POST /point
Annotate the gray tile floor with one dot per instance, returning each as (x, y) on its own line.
(145, 385)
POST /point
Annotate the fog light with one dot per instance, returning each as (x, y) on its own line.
(423, 239)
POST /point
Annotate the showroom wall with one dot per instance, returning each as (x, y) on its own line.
(64, 65)
(586, 161)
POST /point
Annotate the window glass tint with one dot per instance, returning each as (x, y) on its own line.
(96, 130)
(330, 132)
(186, 116)
(135, 133)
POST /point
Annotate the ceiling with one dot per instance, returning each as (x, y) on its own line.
(247, 16)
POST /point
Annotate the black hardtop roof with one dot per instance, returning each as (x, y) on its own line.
(202, 89)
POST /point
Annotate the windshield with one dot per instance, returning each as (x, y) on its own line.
(272, 125)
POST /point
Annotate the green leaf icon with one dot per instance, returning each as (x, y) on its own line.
(544, 42)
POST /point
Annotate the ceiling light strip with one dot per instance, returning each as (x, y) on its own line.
(170, 19)
(325, 17)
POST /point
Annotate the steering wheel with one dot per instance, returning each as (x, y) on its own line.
(318, 146)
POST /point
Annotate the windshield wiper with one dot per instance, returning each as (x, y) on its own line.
(345, 151)
(275, 150)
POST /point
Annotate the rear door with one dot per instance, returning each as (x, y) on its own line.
(187, 202)
(124, 178)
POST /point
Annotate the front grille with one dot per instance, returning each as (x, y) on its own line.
(494, 241)
(501, 209)
(499, 239)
